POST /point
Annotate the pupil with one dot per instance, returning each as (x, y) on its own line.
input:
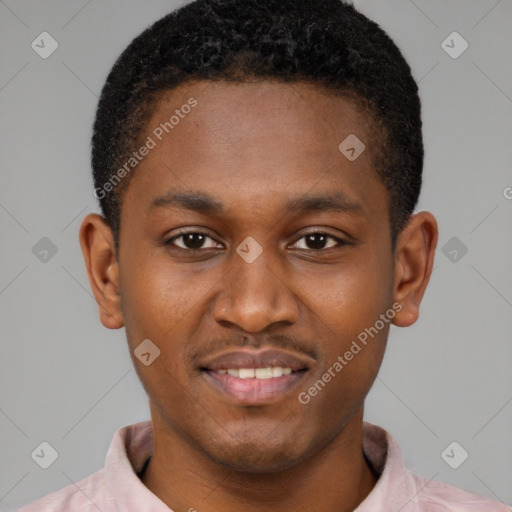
(194, 240)
(316, 241)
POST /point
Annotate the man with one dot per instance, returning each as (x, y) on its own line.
(257, 165)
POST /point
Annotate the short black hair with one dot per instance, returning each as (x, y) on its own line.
(323, 42)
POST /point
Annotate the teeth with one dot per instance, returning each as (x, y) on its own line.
(263, 373)
(277, 371)
(246, 373)
(256, 373)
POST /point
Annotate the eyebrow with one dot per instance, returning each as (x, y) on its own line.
(306, 203)
(334, 202)
(195, 201)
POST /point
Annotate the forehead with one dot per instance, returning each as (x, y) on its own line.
(233, 114)
(254, 141)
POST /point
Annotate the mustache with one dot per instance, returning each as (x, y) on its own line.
(195, 353)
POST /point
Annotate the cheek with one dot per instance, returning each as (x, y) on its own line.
(352, 314)
(156, 306)
(353, 298)
(166, 304)
(154, 294)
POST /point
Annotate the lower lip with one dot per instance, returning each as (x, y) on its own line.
(254, 391)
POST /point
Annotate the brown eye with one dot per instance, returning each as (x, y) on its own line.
(317, 241)
(192, 241)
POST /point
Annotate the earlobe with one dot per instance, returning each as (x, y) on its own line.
(98, 249)
(414, 259)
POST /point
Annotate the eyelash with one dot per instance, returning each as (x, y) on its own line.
(170, 242)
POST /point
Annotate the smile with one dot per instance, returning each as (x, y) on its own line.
(256, 373)
(254, 377)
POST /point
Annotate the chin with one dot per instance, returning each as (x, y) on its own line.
(262, 464)
(256, 457)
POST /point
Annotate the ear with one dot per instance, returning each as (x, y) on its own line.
(98, 248)
(414, 259)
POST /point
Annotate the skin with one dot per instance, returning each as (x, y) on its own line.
(253, 147)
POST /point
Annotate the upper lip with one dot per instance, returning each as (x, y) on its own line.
(263, 358)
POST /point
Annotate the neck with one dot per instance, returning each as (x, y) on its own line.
(336, 478)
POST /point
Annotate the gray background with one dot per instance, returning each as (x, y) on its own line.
(66, 380)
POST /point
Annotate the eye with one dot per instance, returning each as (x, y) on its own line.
(195, 241)
(192, 241)
(317, 241)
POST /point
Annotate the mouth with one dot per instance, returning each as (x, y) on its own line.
(256, 373)
(249, 377)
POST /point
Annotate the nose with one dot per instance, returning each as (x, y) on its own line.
(255, 296)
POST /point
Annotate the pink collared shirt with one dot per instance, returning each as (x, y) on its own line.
(117, 488)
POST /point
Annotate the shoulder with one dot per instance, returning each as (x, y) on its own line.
(408, 492)
(87, 495)
(440, 497)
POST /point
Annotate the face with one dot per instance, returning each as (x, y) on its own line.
(250, 242)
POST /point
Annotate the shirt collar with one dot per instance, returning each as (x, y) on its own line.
(128, 452)
(395, 487)
(133, 445)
